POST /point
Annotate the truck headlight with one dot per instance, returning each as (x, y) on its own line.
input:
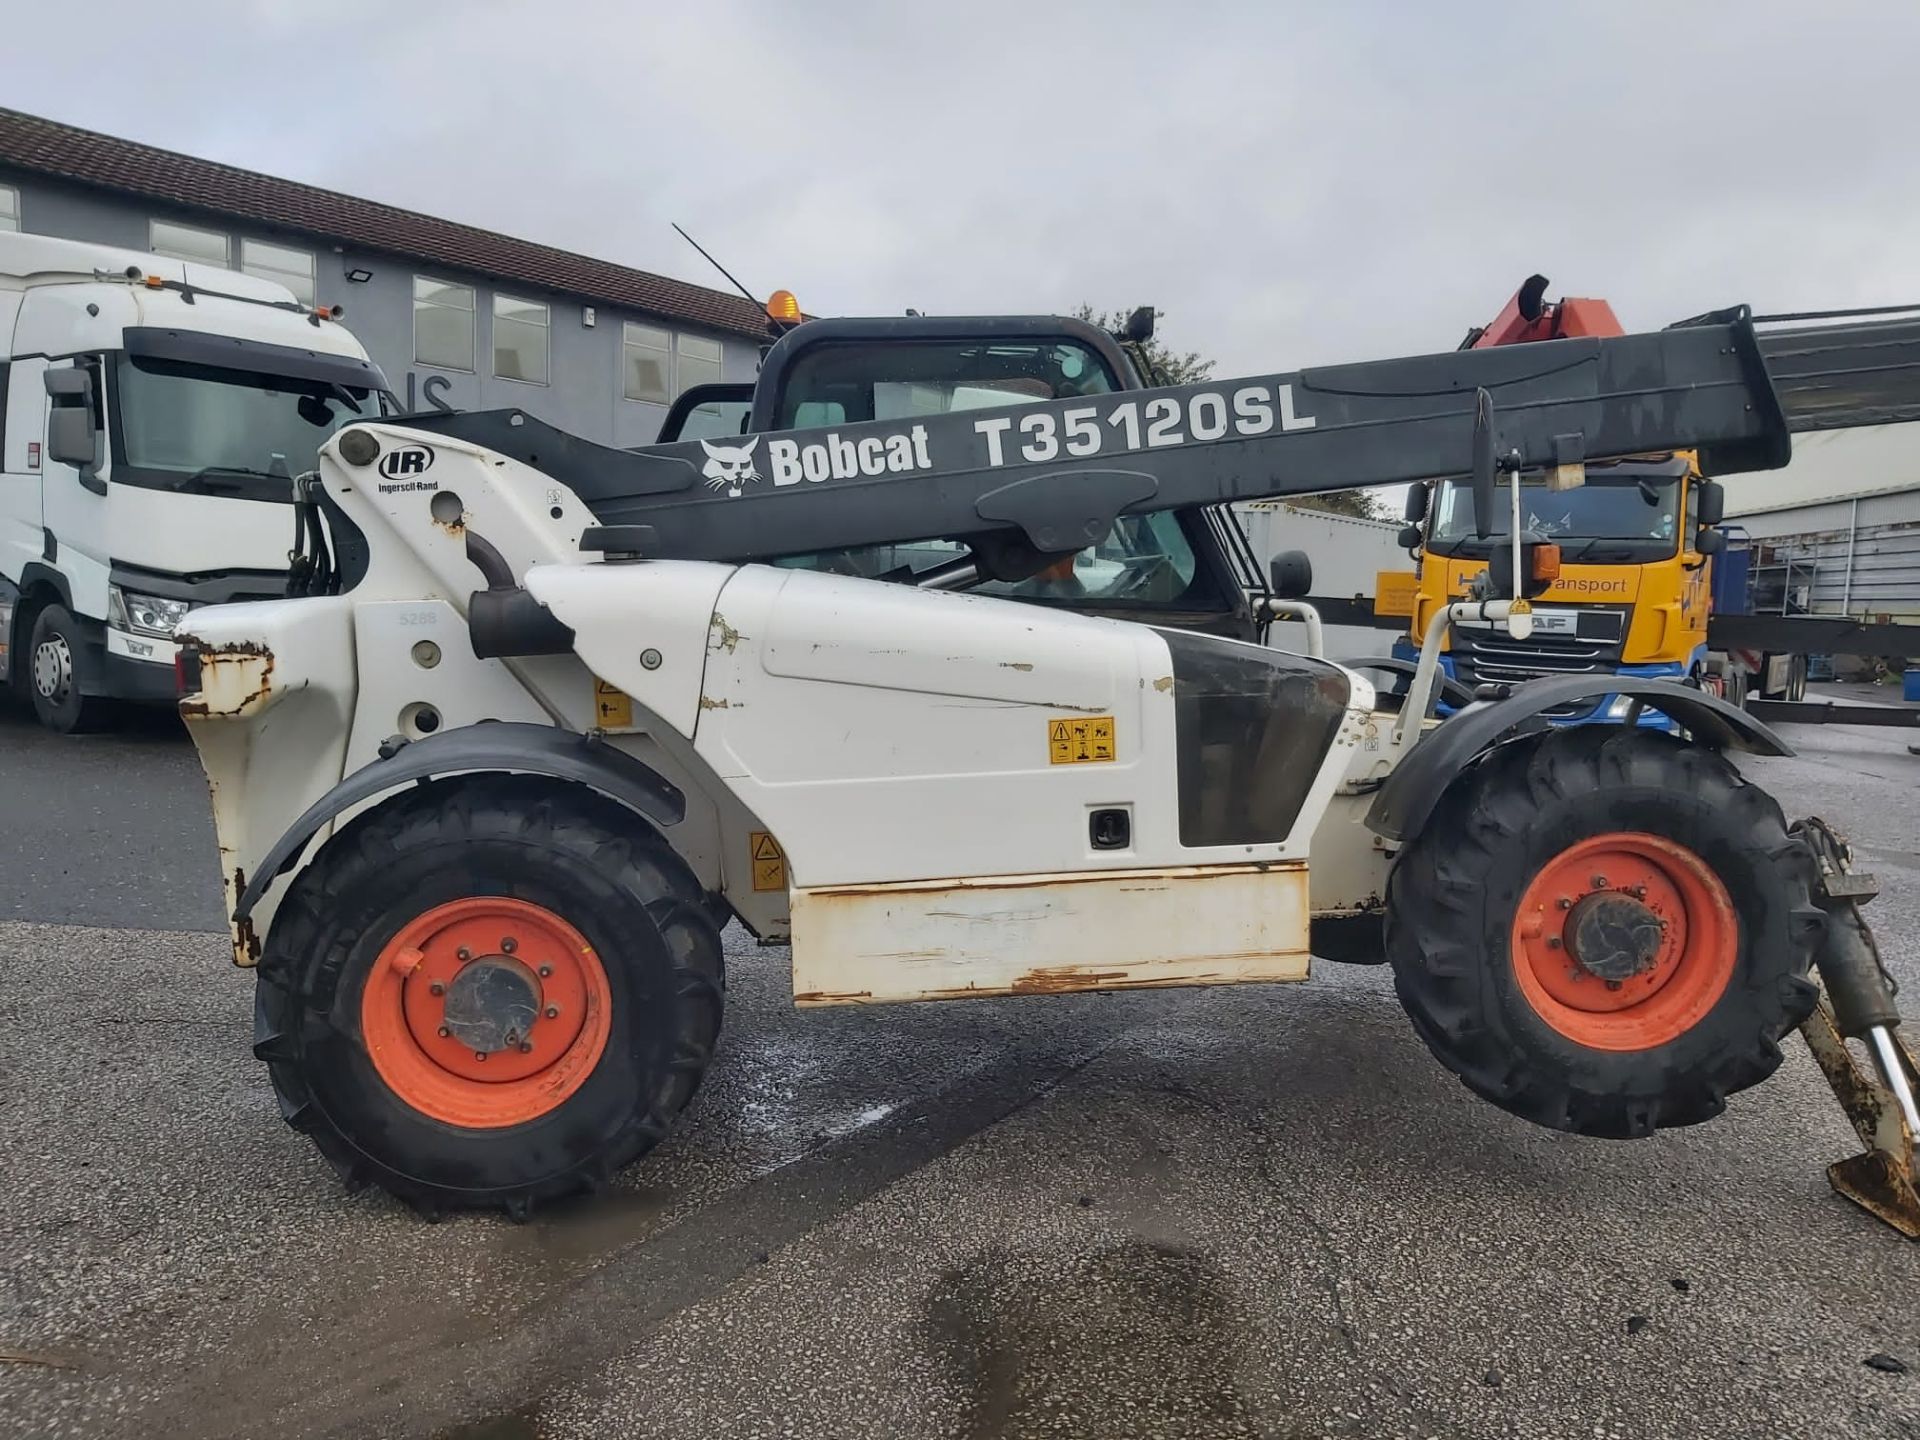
(145, 614)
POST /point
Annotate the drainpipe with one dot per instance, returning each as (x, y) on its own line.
(1853, 529)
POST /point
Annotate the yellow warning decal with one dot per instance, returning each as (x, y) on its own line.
(769, 861)
(612, 706)
(1079, 742)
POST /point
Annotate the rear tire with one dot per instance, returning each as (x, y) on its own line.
(52, 674)
(1506, 867)
(601, 1051)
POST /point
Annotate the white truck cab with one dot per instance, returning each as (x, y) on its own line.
(152, 415)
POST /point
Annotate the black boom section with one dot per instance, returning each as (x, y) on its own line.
(1061, 470)
(1839, 375)
(1254, 726)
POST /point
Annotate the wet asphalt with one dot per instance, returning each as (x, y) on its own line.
(1258, 1211)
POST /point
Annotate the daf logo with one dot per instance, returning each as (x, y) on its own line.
(407, 461)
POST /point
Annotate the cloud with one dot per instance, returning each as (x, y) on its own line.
(1290, 184)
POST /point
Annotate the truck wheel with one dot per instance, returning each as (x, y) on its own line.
(1604, 930)
(53, 674)
(492, 992)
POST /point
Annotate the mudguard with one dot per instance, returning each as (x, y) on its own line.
(1415, 787)
(491, 745)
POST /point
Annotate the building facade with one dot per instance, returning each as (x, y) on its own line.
(457, 317)
(1837, 532)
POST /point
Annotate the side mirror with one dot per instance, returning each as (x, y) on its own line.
(1409, 537)
(1710, 541)
(1291, 575)
(70, 435)
(1540, 561)
(1416, 510)
(1710, 503)
(71, 438)
(1140, 325)
(1484, 492)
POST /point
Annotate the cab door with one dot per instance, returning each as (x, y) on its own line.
(73, 499)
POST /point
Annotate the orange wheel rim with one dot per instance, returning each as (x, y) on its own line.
(1625, 941)
(486, 1012)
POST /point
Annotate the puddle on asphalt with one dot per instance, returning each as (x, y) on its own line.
(593, 1226)
(1039, 1338)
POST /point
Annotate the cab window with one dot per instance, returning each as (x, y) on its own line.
(1145, 560)
(845, 384)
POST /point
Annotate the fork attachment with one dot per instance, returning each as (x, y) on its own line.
(1857, 1003)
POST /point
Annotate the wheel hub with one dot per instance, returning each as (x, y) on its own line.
(492, 1005)
(1614, 936)
(485, 1012)
(53, 668)
(1624, 941)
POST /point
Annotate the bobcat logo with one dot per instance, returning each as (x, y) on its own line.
(729, 467)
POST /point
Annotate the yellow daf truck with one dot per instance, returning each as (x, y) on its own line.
(1649, 586)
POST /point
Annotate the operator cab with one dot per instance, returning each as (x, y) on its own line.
(1179, 568)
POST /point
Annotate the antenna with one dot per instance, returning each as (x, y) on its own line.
(717, 265)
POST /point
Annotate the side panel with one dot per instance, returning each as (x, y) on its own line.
(1009, 935)
(888, 734)
(276, 701)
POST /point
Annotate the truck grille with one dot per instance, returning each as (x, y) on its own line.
(1492, 657)
(1498, 659)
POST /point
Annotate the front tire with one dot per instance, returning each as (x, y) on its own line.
(1604, 931)
(53, 668)
(491, 992)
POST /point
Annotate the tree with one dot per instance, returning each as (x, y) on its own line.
(1358, 503)
(1173, 368)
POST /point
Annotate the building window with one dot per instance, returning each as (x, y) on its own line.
(696, 361)
(9, 208)
(660, 364)
(185, 242)
(442, 324)
(291, 268)
(649, 362)
(519, 340)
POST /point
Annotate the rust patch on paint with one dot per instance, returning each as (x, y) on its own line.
(725, 637)
(233, 680)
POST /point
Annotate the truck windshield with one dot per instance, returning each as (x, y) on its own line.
(1622, 513)
(208, 430)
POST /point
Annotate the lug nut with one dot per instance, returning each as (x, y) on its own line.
(444, 1032)
(437, 988)
(526, 1047)
(1553, 942)
(1599, 882)
(463, 954)
(1565, 903)
(1613, 984)
(553, 1012)
(546, 972)
(479, 1054)
(509, 945)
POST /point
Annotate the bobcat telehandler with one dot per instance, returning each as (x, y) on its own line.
(544, 714)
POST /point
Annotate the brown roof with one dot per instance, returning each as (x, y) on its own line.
(48, 148)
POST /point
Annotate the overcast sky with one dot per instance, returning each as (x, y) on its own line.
(1289, 184)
